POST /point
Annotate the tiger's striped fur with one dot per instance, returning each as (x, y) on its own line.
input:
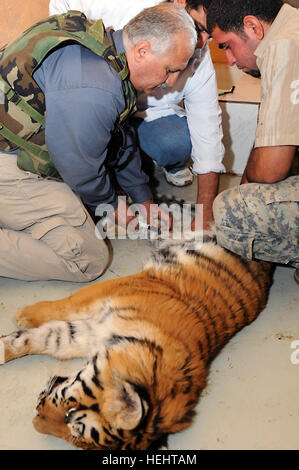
(148, 338)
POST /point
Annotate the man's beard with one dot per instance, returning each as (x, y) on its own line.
(254, 73)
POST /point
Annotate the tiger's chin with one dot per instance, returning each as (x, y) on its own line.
(44, 425)
(52, 423)
(50, 416)
(56, 428)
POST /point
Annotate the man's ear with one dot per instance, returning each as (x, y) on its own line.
(253, 27)
(141, 50)
(180, 2)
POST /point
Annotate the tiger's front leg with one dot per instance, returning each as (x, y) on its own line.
(62, 340)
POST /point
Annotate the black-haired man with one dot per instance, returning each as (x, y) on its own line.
(261, 220)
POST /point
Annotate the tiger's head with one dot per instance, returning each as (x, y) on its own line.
(104, 420)
(125, 400)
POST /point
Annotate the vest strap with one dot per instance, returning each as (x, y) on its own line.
(23, 56)
(21, 103)
(22, 143)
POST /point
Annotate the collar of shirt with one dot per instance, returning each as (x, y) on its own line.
(285, 15)
(117, 38)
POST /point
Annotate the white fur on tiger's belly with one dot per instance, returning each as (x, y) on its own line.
(2, 352)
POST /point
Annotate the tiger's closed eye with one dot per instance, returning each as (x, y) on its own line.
(68, 414)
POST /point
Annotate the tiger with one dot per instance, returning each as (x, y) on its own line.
(148, 339)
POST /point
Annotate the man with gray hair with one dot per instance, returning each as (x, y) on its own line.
(169, 133)
(165, 40)
(86, 93)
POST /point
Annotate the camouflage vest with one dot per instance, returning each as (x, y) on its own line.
(22, 109)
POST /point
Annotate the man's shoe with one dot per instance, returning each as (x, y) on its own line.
(296, 276)
(181, 178)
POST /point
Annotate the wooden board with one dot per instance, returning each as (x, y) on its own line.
(247, 90)
(18, 15)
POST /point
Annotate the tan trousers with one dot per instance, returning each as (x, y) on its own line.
(45, 231)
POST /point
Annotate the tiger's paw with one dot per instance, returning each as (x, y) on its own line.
(6, 354)
(13, 346)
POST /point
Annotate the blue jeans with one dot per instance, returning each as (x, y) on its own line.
(166, 140)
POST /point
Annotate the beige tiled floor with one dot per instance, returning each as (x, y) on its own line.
(252, 397)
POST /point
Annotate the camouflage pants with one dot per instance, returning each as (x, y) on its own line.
(260, 221)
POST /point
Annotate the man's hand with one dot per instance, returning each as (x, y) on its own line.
(148, 212)
(204, 215)
(122, 215)
(156, 217)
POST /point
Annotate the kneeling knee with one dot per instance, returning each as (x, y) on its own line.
(89, 254)
(84, 256)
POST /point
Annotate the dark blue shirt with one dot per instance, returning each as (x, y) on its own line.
(84, 99)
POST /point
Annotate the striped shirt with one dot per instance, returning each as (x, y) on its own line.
(278, 62)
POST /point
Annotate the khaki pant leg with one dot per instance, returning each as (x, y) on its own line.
(45, 233)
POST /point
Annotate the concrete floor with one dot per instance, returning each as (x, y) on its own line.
(250, 402)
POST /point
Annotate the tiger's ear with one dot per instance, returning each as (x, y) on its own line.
(131, 407)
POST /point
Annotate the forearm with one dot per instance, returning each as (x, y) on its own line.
(204, 118)
(207, 191)
(269, 164)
